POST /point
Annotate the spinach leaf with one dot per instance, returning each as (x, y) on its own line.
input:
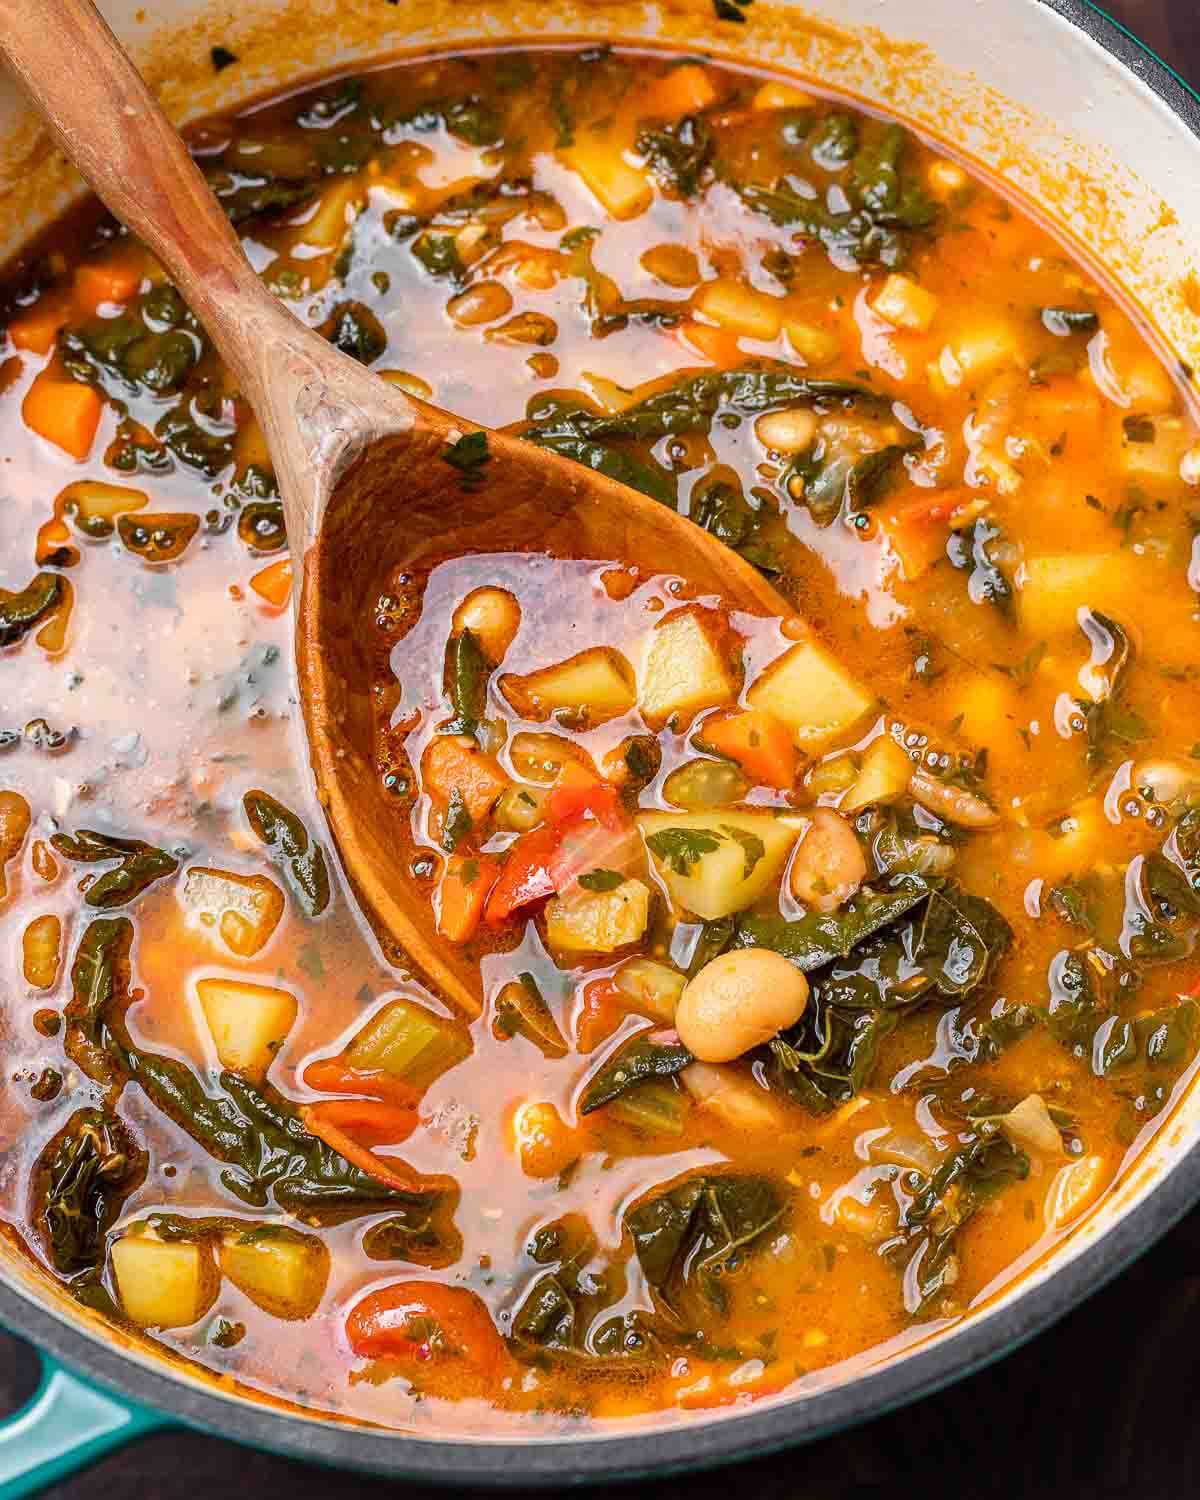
(1161, 910)
(100, 979)
(468, 683)
(1077, 901)
(559, 436)
(1108, 724)
(691, 1236)
(724, 511)
(601, 880)
(942, 1204)
(817, 939)
(420, 1231)
(678, 154)
(978, 1039)
(648, 1054)
(970, 550)
(21, 610)
(139, 865)
(80, 1182)
(356, 331)
(469, 455)
(1067, 321)
(521, 1010)
(960, 937)
(290, 849)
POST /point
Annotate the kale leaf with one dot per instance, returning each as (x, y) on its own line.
(21, 609)
(139, 865)
(692, 1235)
(80, 1181)
(648, 1054)
(290, 849)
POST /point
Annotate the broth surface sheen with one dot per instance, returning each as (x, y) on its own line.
(958, 791)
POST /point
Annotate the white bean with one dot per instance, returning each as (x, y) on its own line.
(737, 1002)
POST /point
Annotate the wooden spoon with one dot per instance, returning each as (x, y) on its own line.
(360, 465)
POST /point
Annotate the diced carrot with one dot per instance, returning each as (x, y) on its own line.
(465, 886)
(917, 524)
(107, 281)
(274, 582)
(455, 763)
(64, 412)
(333, 1125)
(578, 790)
(36, 329)
(759, 742)
(605, 1006)
(331, 1075)
(682, 91)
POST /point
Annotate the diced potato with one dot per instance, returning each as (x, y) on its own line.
(652, 987)
(1053, 589)
(1161, 458)
(597, 684)
(740, 309)
(815, 346)
(244, 909)
(1075, 1189)
(815, 697)
(280, 1270)
(336, 210)
(249, 1023)
(408, 1042)
(988, 709)
(623, 190)
(163, 1284)
(601, 922)
(682, 670)
(727, 872)
(904, 304)
(983, 346)
(883, 776)
(781, 96)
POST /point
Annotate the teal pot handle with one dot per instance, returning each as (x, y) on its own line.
(65, 1426)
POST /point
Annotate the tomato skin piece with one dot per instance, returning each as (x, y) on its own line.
(526, 875)
(578, 792)
(381, 1326)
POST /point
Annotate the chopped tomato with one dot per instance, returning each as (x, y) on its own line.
(526, 874)
(463, 893)
(578, 791)
(759, 742)
(586, 845)
(421, 1323)
(605, 1006)
(455, 763)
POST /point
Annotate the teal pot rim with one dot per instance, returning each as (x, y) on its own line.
(636, 1452)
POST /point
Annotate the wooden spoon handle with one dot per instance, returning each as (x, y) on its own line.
(112, 128)
(316, 406)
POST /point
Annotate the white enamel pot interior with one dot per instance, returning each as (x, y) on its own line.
(1058, 102)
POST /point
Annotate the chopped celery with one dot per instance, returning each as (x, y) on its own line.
(409, 1043)
(656, 1107)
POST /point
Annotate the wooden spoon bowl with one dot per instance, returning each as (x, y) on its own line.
(361, 467)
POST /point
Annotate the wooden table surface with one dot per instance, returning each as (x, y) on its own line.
(1102, 1405)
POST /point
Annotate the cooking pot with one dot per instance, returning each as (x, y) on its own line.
(1053, 98)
